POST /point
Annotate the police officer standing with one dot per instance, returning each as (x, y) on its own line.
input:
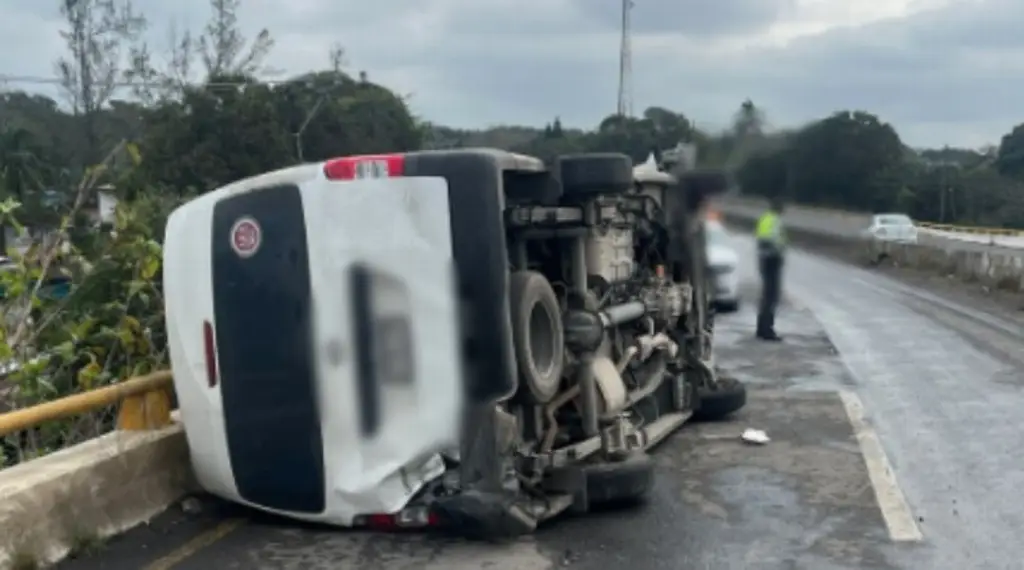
(771, 243)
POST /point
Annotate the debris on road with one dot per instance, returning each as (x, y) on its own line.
(755, 436)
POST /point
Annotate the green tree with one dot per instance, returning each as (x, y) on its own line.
(106, 326)
(97, 35)
(328, 113)
(851, 159)
(748, 121)
(669, 128)
(765, 172)
(216, 134)
(235, 127)
(1010, 157)
(222, 46)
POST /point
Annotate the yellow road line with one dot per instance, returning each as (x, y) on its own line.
(190, 548)
(895, 510)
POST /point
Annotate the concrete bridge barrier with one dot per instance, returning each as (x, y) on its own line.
(73, 498)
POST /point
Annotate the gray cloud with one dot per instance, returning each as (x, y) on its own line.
(959, 67)
(952, 75)
(690, 17)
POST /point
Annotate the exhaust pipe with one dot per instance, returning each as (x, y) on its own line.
(624, 313)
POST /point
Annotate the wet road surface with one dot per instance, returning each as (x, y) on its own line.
(939, 389)
(943, 386)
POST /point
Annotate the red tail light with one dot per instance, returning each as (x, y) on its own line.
(411, 518)
(210, 351)
(367, 166)
(381, 522)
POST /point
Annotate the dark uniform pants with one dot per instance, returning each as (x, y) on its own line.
(771, 291)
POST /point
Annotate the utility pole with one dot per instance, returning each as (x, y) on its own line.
(302, 130)
(625, 105)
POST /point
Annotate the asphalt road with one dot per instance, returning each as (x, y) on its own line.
(894, 421)
(943, 386)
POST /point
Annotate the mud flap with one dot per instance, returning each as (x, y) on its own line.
(620, 482)
(484, 516)
(571, 481)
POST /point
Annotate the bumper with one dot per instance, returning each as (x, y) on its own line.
(727, 287)
(908, 239)
(353, 500)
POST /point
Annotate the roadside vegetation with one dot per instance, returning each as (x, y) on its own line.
(82, 303)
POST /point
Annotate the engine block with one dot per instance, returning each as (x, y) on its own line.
(666, 301)
(609, 253)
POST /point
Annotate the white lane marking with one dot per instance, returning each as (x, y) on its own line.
(898, 517)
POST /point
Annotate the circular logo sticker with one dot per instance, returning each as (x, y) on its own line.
(245, 237)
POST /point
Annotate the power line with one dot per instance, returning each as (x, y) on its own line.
(40, 80)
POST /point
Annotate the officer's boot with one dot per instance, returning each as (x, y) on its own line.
(769, 330)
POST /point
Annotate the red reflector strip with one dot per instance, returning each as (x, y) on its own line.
(210, 352)
(382, 522)
(412, 518)
(367, 166)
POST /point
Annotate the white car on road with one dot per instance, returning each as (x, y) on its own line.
(892, 227)
(724, 262)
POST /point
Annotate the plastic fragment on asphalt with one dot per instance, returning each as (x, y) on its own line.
(755, 436)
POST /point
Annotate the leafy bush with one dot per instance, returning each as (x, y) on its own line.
(82, 308)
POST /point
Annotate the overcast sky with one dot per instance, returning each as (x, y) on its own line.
(942, 71)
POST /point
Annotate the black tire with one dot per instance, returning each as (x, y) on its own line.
(619, 483)
(585, 175)
(722, 307)
(726, 398)
(537, 336)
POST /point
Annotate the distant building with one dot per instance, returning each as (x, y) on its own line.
(102, 211)
(99, 209)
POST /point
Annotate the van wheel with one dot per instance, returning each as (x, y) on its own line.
(726, 397)
(588, 175)
(537, 335)
(619, 483)
(730, 306)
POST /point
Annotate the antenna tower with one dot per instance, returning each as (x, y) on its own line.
(625, 107)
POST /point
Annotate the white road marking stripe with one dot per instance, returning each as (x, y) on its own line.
(898, 517)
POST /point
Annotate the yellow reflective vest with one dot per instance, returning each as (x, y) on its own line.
(771, 239)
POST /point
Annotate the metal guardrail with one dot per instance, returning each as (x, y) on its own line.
(145, 404)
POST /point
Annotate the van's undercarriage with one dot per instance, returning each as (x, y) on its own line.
(611, 326)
